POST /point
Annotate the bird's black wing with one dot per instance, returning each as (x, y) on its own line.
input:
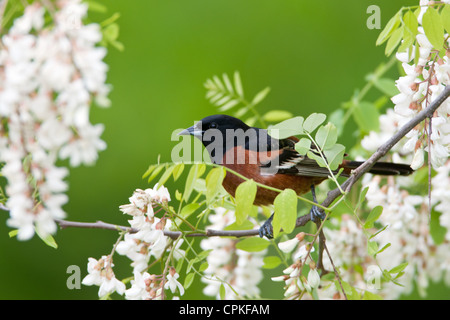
(289, 161)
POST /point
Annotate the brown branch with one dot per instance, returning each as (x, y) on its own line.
(303, 220)
(63, 224)
(382, 150)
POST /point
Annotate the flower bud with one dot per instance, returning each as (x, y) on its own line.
(313, 278)
(300, 236)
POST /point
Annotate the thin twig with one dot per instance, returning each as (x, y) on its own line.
(172, 234)
(335, 271)
(63, 224)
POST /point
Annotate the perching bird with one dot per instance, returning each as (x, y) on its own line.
(252, 153)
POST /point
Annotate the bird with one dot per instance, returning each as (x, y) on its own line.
(254, 154)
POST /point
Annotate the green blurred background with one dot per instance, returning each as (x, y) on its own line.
(313, 55)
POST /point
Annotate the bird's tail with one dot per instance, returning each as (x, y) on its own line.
(383, 168)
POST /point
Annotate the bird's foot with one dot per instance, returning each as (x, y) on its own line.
(266, 229)
(316, 214)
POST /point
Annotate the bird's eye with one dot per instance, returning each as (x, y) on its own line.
(213, 125)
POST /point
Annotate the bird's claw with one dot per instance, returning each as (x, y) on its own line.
(266, 229)
(316, 214)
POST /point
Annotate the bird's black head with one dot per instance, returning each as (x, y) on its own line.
(218, 122)
(219, 133)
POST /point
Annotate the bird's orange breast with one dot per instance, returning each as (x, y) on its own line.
(248, 163)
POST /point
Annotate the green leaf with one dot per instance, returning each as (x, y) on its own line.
(13, 233)
(371, 296)
(188, 280)
(366, 116)
(110, 20)
(203, 266)
(393, 41)
(277, 115)
(398, 268)
(238, 84)
(166, 175)
(350, 291)
(384, 248)
(214, 182)
(372, 248)
(178, 195)
(111, 32)
(201, 256)
(222, 292)
(271, 262)
(228, 105)
(95, 6)
(378, 232)
(362, 197)
(303, 146)
(177, 171)
(373, 216)
(253, 244)
(387, 86)
(286, 128)
(227, 82)
(317, 158)
(326, 136)
(433, 28)
(260, 96)
(200, 185)
(47, 238)
(285, 211)
(189, 209)
(381, 101)
(334, 155)
(244, 196)
(149, 171)
(416, 53)
(409, 31)
(313, 121)
(445, 17)
(157, 170)
(189, 186)
(117, 44)
(393, 23)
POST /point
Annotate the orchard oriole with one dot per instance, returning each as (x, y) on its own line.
(254, 154)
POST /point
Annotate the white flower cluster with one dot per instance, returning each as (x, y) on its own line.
(296, 285)
(100, 273)
(421, 85)
(239, 269)
(406, 219)
(149, 241)
(405, 225)
(440, 197)
(346, 243)
(406, 216)
(49, 75)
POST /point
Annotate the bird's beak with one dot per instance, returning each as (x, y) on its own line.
(193, 131)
